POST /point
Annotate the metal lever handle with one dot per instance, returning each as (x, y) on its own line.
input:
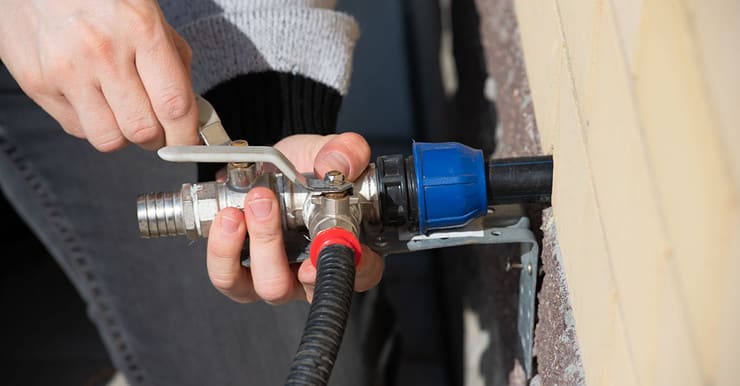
(217, 150)
(225, 154)
(209, 125)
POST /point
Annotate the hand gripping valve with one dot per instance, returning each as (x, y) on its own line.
(438, 197)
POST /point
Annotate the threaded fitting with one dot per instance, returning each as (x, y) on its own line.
(160, 214)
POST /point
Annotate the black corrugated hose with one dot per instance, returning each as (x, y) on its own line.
(327, 317)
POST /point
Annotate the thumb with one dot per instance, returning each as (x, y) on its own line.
(348, 153)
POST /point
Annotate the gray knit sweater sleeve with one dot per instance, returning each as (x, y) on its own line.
(236, 37)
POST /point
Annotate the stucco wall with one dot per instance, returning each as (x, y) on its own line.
(638, 103)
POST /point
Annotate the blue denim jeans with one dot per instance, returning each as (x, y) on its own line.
(157, 313)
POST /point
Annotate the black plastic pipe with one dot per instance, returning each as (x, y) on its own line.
(327, 317)
(519, 180)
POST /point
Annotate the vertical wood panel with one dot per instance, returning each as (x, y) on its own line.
(546, 54)
(715, 28)
(677, 364)
(619, 367)
(692, 181)
(621, 179)
(577, 222)
(627, 13)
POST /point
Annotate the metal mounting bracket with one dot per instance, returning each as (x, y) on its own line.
(490, 229)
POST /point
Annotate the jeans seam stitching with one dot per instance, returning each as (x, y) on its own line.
(79, 258)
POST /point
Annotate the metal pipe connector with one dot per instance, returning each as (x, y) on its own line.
(191, 210)
(160, 214)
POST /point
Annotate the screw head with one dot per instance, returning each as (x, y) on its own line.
(334, 177)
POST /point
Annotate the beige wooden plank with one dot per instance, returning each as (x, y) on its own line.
(619, 369)
(715, 27)
(539, 29)
(543, 52)
(677, 364)
(586, 263)
(627, 205)
(728, 349)
(693, 182)
(580, 22)
(627, 13)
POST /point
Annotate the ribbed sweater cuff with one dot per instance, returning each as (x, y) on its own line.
(314, 43)
(266, 107)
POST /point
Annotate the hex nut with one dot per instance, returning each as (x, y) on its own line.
(188, 213)
(334, 177)
(207, 207)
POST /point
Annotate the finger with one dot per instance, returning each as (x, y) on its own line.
(167, 83)
(223, 259)
(96, 118)
(273, 280)
(307, 276)
(370, 270)
(62, 111)
(301, 149)
(130, 104)
(301, 290)
(183, 49)
(347, 152)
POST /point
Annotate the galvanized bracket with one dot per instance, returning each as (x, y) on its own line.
(489, 229)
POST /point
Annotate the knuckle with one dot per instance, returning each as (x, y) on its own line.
(108, 143)
(74, 131)
(224, 281)
(274, 290)
(142, 130)
(241, 299)
(94, 42)
(103, 47)
(175, 104)
(33, 83)
(266, 238)
(143, 19)
(59, 69)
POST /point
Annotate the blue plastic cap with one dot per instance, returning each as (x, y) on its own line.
(451, 184)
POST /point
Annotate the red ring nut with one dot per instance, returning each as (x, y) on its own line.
(333, 236)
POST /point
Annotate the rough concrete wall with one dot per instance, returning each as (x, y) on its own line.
(637, 101)
(556, 343)
(508, 87)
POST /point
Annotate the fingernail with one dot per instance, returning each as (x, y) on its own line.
(261, 207)
(336, 161)
(229, 225)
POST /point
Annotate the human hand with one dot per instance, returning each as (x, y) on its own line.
(270, 277)
(110, 71)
